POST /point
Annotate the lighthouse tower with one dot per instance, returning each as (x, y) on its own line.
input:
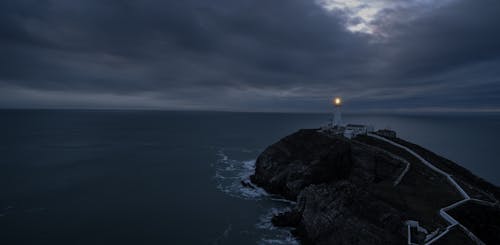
(337, 116)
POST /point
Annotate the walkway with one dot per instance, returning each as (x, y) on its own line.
(452, 222)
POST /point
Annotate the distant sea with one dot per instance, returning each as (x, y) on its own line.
(156, 177)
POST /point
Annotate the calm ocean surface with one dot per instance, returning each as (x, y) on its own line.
(153, 177)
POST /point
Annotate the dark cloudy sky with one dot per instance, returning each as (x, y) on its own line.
(251, 55)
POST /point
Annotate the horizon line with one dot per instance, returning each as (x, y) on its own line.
(395, 111)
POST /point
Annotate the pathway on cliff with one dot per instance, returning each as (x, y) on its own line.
(452, 222)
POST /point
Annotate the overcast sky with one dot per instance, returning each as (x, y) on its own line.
(251, 55)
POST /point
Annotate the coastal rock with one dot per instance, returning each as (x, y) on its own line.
(343, 213)
(330, 179)
(302, 159)
(364, 191)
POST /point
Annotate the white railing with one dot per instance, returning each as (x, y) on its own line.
(452, 222)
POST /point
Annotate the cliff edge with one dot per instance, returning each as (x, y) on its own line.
(367, 191)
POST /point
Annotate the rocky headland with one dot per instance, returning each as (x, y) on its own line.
(375, 190)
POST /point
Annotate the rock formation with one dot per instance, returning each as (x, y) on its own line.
(345, 189)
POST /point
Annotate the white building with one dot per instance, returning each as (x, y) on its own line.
(352, 130)
(336, 127)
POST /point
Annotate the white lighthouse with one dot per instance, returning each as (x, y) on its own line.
(337, 116)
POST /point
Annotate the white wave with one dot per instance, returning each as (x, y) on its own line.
(265, 219)
(229, 175)
(279, 235)
(280, 199)
(288, 240)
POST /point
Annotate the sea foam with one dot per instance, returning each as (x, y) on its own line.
(229, 175)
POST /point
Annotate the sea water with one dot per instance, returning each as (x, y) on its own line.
(157, 177)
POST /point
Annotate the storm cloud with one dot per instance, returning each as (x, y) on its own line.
(250, 55)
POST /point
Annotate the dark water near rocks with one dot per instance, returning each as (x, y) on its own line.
(152, 177)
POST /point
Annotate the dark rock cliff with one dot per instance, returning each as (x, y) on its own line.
(330, 179)
(302, 159)
(347, 193)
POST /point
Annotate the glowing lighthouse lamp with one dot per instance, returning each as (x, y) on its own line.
(337, 116)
